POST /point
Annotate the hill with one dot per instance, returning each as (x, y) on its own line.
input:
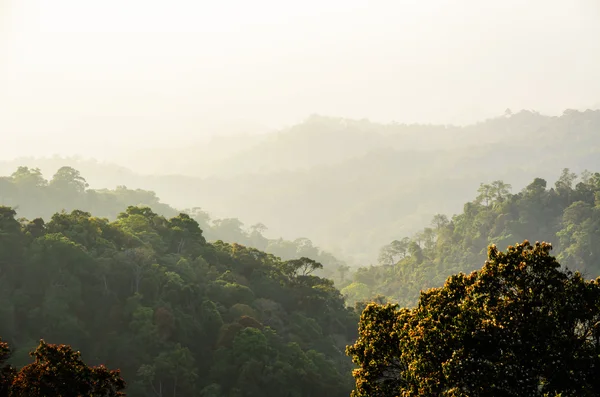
(567, 215)
(33, 196)
(352, 185)
(147, 294)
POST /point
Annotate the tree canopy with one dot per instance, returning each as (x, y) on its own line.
(27, 191)
(568, 214)
(520, 326)
(57, 370)
(154, 292)
(177, 315)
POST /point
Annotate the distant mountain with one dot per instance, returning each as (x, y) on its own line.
(353, 185)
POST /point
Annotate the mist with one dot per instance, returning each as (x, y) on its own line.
(224, 198)
(107, 79)
(280, 113)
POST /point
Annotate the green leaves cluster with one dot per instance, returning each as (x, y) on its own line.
(520, 326)
(27, 190)
(179, 316)
(568, 214)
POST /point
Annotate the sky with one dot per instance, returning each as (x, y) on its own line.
(103, 77)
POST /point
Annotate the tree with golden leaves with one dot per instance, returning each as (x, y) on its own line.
(520, 326)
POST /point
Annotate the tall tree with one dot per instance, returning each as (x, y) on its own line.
(520, 326)
(68, 180)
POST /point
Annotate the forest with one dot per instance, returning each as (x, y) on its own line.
(519, 326)
(299, 199)
(33, 196)
(178, 313)
(567, 214)
(350, 185)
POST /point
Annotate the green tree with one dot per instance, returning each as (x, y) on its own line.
(301, 267)
(520, 326)
(485, 194)
(565, 182)
(68, 180)
(394, 251)
(11, 241)
(500, 190)
(29, 178)
(439, 221)
(186, 235)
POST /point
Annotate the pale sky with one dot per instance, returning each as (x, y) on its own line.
(91, 77)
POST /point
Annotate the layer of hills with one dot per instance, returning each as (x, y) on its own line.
(179, 316)
(148, 294)
(566, 214)
(34, 196)
(353, 185)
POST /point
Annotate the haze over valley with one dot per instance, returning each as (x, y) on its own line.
(352, 186)
(243, 199)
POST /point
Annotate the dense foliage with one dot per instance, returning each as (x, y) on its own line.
(567, 214)
(189, 305)
(518, 327)
(57, 371)
(33, 196)
(177, 315)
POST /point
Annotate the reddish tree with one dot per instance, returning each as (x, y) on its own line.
(59, 371)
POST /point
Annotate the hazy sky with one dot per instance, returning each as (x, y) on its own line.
(114, 72)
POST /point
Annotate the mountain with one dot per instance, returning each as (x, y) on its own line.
(566, 215)
(352, 185)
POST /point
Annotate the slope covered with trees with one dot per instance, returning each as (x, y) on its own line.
(353, 185)
(33, 196)
(567, 214)
(519, 327)
(179, 316)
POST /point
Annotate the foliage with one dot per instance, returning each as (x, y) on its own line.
(179, 316)
(57, 371)
(520, 326)
(567, 214)
(36, 198)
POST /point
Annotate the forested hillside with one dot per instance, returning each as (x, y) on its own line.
(179, 316)
(299, 199)
(353, 185)
(146, 293)
(567, 215)
(520, 326)
(33, 196)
